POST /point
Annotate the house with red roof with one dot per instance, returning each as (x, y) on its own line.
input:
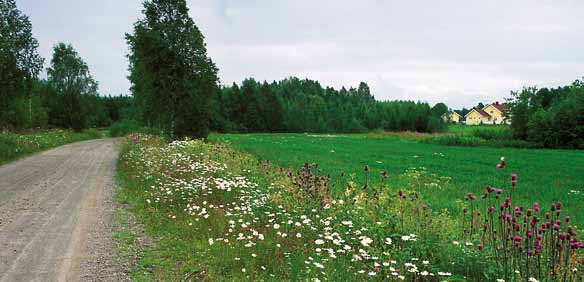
(490, 114)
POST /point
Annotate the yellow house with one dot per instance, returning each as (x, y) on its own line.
(453, 117)
(491, 114)
(495, 110)
(477, 116)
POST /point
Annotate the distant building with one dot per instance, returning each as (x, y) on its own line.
(452, 117)
(490, 114)
(477, 116)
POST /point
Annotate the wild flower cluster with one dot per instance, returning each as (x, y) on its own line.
(253, 220)
(282, 224)
(525, 242)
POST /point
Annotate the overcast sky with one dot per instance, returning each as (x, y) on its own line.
(460, 52)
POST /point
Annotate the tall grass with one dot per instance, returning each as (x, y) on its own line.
(13, 145)
(481, 135)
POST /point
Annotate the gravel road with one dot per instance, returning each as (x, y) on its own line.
(56, 212)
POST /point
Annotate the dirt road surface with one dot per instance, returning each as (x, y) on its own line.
(56, 213)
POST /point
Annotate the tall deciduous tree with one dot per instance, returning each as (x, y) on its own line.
(69, 77)
(172, 76)
(20, 64)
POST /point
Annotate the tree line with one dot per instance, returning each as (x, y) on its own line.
(175, 88)
(303, 105)
(549, 117)
(68, 96)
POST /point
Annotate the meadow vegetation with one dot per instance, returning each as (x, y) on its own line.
(545, 174)
(14, 146)
(479, 135)
(221, 214)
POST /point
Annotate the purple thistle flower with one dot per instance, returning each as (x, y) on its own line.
(536, 207)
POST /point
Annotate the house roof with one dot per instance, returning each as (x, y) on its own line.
(480, 111)
(455, 113)
(499, 106)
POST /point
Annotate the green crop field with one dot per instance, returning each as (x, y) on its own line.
(544, 176)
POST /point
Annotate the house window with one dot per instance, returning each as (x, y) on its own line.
(491, 111)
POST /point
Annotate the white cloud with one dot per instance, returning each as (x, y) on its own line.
(460, 52)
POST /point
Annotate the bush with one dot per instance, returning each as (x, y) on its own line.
(125, 127)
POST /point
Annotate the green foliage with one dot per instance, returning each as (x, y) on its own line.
(13, 146)
(125, 127)
(294, 105)
(20, 64)
(73, 85)
(551, 118)
(172, 77)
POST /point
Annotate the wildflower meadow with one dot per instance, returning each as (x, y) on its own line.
(218, 214)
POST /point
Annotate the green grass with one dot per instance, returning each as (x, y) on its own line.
(468, 130)
(545, 176)
(14, 146)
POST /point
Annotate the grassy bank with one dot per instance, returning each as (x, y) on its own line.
(14, 146)
(218, 214)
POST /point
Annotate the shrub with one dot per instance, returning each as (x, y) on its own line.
(125, 127)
